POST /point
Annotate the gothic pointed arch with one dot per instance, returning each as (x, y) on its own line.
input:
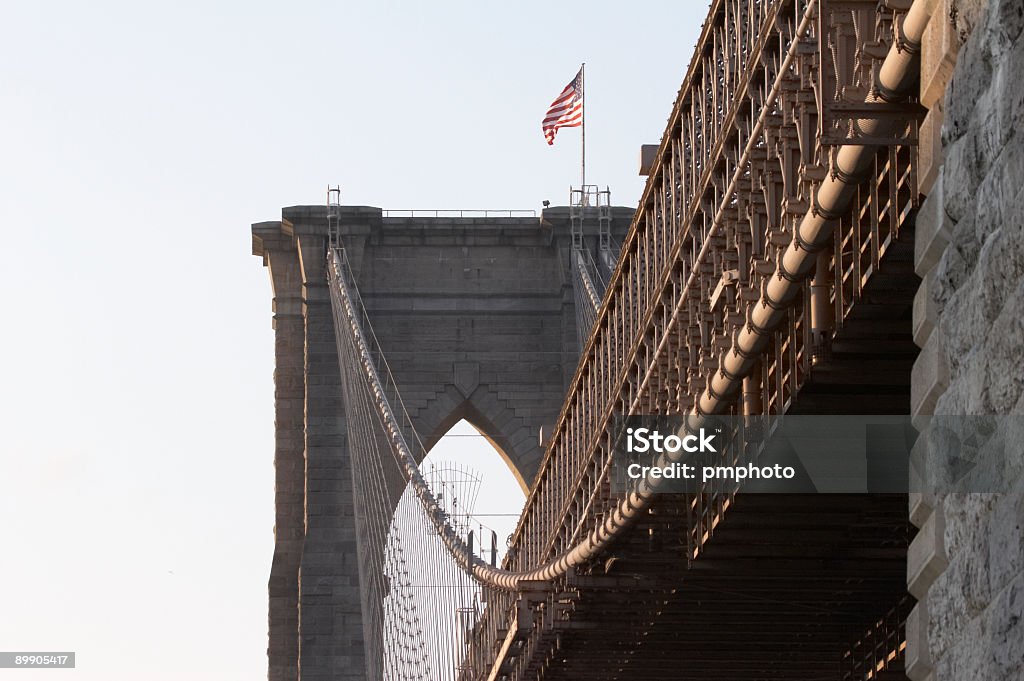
(491, 420)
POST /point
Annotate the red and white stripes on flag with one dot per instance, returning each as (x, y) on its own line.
(567, 109)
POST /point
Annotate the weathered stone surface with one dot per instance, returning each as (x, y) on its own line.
(477, 321)
(926, 558)
(328, 586)
(965, 15)
(1003, 354)
(919, 661)
(974, 313)
(968, 85)
(1006, 548)
(1006, 24)
(933, 231)
(968, 658)
(962, 169)
(929, 377)
(925, 312)
(929, 152)
(921, 504)
(282, 262)
(1005, 631)
(939, 48)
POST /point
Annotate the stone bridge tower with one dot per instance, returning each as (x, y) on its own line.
(477, 319)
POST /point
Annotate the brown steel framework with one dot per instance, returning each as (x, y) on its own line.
(767, 271)
(773, 91)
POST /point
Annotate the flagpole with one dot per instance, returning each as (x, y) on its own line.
(583, 136)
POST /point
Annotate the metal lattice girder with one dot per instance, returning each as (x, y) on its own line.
(712, 287)
(744, 162)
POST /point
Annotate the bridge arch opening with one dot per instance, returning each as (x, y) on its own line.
(481, 495)
(502, 490)
(467, 421)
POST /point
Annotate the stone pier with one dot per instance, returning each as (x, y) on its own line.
(477, 319)
(966, 565)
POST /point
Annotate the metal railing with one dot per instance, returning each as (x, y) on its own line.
(457, 213)
(739, 167)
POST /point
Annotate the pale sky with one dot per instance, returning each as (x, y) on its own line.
(138, 141)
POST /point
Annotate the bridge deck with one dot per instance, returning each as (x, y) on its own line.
(782, 588)
(794, 587)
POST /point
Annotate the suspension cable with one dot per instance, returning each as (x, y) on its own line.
(894, 78)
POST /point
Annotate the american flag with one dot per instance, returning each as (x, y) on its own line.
(567, 109)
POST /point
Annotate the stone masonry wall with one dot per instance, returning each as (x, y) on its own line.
(330, 611)
(315, 619)
(477, 320)
(966, 566)
(282, 262)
